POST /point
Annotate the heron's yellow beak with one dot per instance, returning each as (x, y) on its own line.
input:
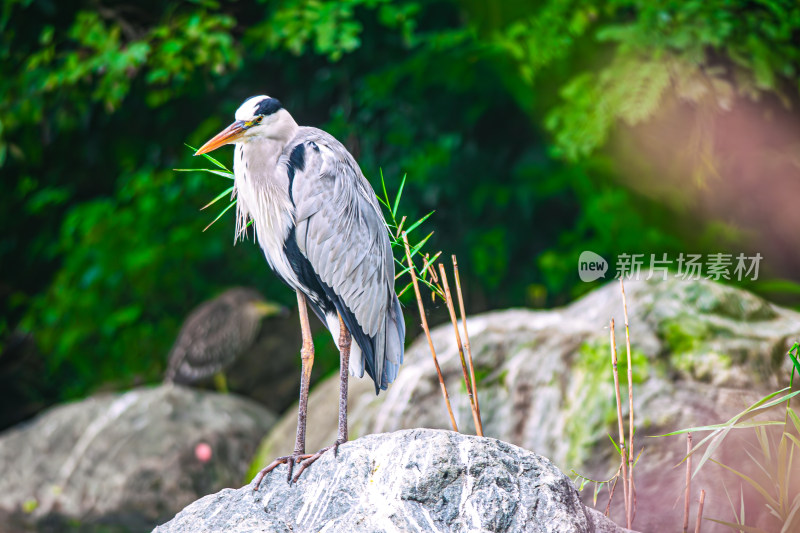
(227, 136)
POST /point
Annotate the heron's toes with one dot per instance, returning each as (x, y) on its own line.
(308, 461)
(288, 460)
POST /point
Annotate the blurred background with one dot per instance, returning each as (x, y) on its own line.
(535, 130)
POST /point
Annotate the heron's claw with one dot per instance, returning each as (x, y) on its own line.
(288, 460)
(309, 460)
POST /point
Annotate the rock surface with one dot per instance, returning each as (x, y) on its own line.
(413, 480)
(124, 462)
(700, 351)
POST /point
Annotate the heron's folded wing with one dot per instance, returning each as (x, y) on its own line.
(341, 231)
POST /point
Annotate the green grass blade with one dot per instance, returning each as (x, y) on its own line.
(711, 448)
(730, 501)
(795, 363)
(753, 483)
(772, 403)
(385, 194)
(214, 161)
(614, 443)
(738, 527)
(430, 261)
(410, 283)
(406, 269)
(224, 174)
(399, 195)
(413, 226)
(789, 526)
(220, 215)
(716, 427)
(219, 197)
(421, 243)
(381, 200)
(795, 419)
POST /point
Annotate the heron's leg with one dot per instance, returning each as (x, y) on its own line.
(345, 341)
(307, 361)
(344, 372)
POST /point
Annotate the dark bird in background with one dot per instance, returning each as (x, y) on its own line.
(322, 232)
(215, 334)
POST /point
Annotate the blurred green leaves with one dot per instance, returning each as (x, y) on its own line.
(500, 113)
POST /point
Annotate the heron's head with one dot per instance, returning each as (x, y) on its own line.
(259, 117)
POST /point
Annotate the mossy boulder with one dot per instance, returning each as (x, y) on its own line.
(700, 350)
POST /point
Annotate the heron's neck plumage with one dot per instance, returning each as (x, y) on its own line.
(262, 189)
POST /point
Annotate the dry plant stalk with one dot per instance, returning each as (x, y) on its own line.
(607, 512)
(467, 345)
(428, 332)
(700, 511)
(454, 320)
(623, 448)
(688, 483)
(630, 497)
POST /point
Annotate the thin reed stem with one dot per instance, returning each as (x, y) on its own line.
(630, 408)
(467, 346)
(454, 320)
(688, 483)
(622, 446)
(424, 321)
(700, 511)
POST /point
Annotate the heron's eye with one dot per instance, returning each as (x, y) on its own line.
(258, 119)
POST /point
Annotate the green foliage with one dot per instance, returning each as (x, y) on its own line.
(776, 481)
(675, 44)
(500, 113)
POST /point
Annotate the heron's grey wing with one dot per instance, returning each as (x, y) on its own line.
(341, 231)
(207, 342)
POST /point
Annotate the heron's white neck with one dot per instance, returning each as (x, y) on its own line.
(262, 189)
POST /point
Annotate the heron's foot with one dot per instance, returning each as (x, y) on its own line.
(308, 461)
(288, 460)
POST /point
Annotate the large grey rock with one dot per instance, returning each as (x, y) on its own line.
(701, 351)
(124, 462)
(414, 480)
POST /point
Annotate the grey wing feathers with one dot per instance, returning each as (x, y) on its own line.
(341, 231)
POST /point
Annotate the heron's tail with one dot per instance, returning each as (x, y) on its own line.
(395, 335)
(380, 355)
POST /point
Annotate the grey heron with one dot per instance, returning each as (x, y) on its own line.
(216, 333)
(322, 232)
